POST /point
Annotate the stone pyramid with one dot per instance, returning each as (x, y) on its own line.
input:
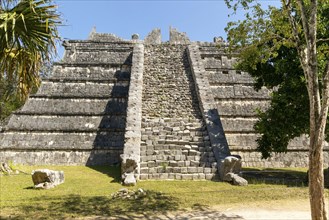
(158, 108)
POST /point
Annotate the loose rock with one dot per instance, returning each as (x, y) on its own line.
(129, 179)
(235, 179)
(46, 179)
(124, 193)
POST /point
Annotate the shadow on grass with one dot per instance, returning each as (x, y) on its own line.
(111, 171)
(291, 178)
(74, 206)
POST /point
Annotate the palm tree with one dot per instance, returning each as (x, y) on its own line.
(28, 36)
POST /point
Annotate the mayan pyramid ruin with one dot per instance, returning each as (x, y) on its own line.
(164, 110)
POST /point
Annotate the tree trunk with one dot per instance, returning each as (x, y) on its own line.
(317, 134)
(316, 183)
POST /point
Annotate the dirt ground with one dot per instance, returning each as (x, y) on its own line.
(271, 210)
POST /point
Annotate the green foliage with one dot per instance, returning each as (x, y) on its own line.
(286, 118)
(28, 35)
(9, 99)
(268, 51)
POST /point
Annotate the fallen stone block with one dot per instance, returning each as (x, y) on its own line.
(235, 179)
(46, 179)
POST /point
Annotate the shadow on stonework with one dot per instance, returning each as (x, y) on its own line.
(290, 178)
(109, 140)
(76, 206)
(188, 73)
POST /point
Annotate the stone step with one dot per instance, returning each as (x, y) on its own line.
(71, 114)
(174, 121)
(217, 64)
(65, 123)
(173, 150)
(169, 169)
(81, 96)
(90, 157)
(168, 89)
(47, 106)
(86, 80)
(83, 89)
(99, 45)
(60, 140)
(238, 108)
(173, 138)
(157, 146)
(230, 77)
(96, 72)
(169, 131)
(238, 91)
(211, 48)
(246, 141)
(179, 158)
(98, 56)
(238, 124)
(179, 176)
(174, 143)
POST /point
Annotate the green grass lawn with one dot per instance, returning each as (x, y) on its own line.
(87, 192)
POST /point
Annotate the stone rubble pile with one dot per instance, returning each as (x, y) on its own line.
(127, 194)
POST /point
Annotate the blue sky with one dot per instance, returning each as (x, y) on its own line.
(201, 20)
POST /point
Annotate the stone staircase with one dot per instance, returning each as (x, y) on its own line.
(174, 142)
(78, 115)
(160, 109)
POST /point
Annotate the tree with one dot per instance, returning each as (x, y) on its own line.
(287, 49)
(28, 35)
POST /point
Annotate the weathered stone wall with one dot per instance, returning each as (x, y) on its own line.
(175, 143)
(208, 108)
(91, 72)
(168, 83)
(82, 89)
(237, 102)
(176, 148)
(104, 37)
(62, 157)
(78, 116)
(154, 37)
(56, 106)
(176, 37)
(24, 140)
(130, 165)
